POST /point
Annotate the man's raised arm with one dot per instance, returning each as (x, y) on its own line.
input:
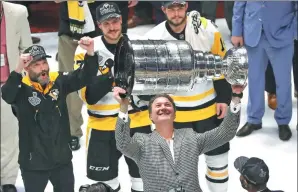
(83, 76)
(129, 146)
(227, 129)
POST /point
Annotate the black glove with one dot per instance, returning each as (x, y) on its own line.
(97, 187)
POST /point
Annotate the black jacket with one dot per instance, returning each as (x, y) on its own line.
(44, 131)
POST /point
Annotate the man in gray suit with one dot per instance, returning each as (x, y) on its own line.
(168, 157)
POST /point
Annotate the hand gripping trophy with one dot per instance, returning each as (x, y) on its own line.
(148, 67)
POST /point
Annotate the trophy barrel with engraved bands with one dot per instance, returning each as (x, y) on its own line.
(148, 67)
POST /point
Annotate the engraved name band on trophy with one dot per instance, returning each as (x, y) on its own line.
(148, 67)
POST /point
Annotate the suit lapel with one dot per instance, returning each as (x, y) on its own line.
(178, 138)
(166, 149)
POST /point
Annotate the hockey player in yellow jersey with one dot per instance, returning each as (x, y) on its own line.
(204, 108)
(102, 154)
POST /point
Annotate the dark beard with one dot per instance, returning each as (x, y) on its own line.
(35, 77)
(174, 24)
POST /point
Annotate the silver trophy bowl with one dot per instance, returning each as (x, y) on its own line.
(148, 67)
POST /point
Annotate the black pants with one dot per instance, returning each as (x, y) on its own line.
(270, 85)
(62, 179)
(103, 155)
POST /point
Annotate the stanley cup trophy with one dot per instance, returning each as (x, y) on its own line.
(149, 67)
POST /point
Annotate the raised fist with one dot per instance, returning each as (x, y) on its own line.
(87, 43)
(25, 60)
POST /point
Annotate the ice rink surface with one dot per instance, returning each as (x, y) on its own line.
(281, 157)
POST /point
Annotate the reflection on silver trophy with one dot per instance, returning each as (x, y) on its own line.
(148, 67)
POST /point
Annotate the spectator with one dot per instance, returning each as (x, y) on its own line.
(254, 174)
(15, 38)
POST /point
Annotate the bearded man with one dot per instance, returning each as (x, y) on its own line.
(39, 101)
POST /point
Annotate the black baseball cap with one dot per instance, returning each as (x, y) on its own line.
(37, 52)
(169, 3)
(107, 10)
(254, 170)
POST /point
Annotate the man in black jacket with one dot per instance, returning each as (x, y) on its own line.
(254, 174)
(39, 102)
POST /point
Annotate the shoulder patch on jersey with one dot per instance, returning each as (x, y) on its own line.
(196, 22)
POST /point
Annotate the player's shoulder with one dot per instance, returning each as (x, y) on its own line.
(208, 25)
(97, 38)
(156, 30)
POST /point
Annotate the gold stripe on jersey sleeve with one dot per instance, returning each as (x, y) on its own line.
(218, 175)
(103, 107)
(195, 115)
(194, 97)
(218, 47)
(83, 94)
(138, 119)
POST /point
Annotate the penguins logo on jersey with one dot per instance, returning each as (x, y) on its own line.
(81, 3)
(104, 69)
(196, 22)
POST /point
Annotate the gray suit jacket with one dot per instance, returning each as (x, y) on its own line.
(152, 154)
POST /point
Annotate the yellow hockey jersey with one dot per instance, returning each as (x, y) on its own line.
(203, 35)
(103, 114)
